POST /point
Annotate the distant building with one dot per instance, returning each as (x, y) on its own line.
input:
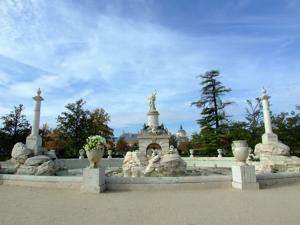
(181, 136)
(130, 138)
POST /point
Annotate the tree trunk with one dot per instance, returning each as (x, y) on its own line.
(215, 105)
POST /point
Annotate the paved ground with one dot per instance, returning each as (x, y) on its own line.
(35, 206)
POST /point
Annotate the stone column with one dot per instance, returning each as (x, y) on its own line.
(34, 141)
(37, 113)
(153, 119)
(268, 137)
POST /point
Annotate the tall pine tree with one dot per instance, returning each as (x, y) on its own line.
(211, 105)
(213, 116)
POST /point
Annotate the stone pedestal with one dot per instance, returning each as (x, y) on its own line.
(269, 138)
(93, 180)
(34, 142)
(153, 121)
(244, 178)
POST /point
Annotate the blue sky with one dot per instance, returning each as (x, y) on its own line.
(116, 53)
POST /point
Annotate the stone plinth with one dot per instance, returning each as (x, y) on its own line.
(93, 180)
(34, 142)
(269, 138)
(153, 121)
(277, 164)
(267, 150)
(244, 177)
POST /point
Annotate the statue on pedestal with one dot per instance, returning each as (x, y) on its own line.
(152, 100)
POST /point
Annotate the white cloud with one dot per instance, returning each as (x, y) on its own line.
(114, 62)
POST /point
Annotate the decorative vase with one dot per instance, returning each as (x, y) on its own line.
(240, 150)
(109, 152)
(191, 153)
(220, 151)
(81, 154)
(94, 156)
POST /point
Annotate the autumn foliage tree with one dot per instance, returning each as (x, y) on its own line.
(76, 124)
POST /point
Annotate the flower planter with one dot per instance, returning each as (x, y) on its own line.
(95, 156)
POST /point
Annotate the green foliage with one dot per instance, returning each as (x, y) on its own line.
(76, 124)
(15, 123)
(214, 120)
(122, 146)
(98, 123)
(15, 129)
(211, 105)
(94, 142)
(287, 127)
(254, 122)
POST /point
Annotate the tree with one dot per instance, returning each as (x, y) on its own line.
(76, 124)
(122, 146)
(254, 121)
(211, 105)
(15, 123)
(72, 127)
(54, 141)
(213, 119)
(99, 123)
(15, 129)
(287, 127)
(183, 147)
(44, 133)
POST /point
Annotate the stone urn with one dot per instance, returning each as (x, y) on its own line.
(220, 151)
(240, 150)
(191, 153)
(109, 152)
(95, 156)
(81, 153)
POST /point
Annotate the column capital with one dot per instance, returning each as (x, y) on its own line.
(264, 95)
(38, 97)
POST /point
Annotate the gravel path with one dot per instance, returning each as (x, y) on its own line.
(36, 206)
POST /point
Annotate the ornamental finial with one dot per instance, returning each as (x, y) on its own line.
(39, 92)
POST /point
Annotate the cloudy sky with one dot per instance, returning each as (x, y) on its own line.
(116, 53)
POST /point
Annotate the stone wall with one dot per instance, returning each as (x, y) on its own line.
(277, 179)
(226, 162)
(42, 181)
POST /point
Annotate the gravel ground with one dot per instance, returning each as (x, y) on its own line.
(36, 206)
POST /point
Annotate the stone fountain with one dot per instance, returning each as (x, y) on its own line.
(155, 156)
(31, 158)
(274, 156)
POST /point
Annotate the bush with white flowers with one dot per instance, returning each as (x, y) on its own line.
(94, 143)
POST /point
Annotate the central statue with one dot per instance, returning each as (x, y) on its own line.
(152, 99)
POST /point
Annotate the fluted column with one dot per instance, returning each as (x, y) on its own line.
(34, 141)
(36, 113)
(268, 137)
